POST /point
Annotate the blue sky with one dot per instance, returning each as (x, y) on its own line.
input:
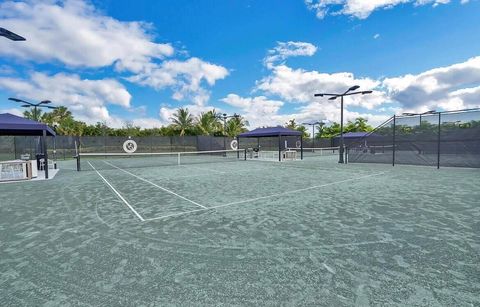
(124, 61)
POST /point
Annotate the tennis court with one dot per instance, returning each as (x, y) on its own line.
(242, 232)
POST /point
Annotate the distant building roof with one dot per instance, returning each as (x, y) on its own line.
(353, 135)
(15, 125)
(270, 131)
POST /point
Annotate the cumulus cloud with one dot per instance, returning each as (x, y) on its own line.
(87, 99)
(261, 111)
(299, 85)
(257, 110)
(74, 33)
(184, 76)
(284, 50)
(452, 87)
(361, 8)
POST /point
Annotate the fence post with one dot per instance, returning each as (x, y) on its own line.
(438, 141)
(393, 155)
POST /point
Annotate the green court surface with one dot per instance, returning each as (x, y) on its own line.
(310, 232)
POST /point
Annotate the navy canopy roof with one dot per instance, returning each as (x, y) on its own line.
(269, 131)
(15, 125)
(353, 135)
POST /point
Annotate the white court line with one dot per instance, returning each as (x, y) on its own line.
(156, 185)
(265, 197)
(118, 194)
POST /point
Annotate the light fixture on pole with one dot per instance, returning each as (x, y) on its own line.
(10, 35)
(313, 131)
(35, 106)
(420, 114)
(349, 92)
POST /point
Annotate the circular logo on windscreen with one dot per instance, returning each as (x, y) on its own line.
(234, 144)
(130, 146)
(298, 144)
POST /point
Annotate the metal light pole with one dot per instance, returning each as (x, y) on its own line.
(313, 132)
(35, 106)
(10, 35)
(348, 92)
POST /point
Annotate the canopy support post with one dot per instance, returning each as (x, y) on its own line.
(279, 148)
(45, 153)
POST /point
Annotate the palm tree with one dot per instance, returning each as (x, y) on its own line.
(291, 124)
(208, 123)
(235, 126)
(32, 114)
(182, 120)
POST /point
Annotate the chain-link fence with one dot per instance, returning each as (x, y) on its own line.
(439, 139)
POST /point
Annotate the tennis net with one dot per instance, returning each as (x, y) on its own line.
(318, 152)
(92, 161)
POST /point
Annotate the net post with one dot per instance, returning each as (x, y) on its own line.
(78, 163)
(301, 146)
(438, 140)
(45, 152)
(245, 154)
(178, 158)
(346, 154)
(393, 151)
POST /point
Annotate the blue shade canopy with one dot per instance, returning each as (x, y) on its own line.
(15, 125)
(269, 131)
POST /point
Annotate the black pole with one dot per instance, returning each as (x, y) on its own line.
(346, 154)
(15, 148)
(393, 155)
(279, 148)
(340, 158)
(45, 153)
(313, 137)
(224, 132)
(438, 141)
(78, 154)
(301, 147)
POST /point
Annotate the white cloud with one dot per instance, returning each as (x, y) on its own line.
(185, 77)
(452, 87)
(298, 85)
(284, 50)
(258, 110)
(87, 99)
(261, 111)
(147, 122)
(13, 111)
(361, 8)
(74, 33)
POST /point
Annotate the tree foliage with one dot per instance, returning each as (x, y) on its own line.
(182, 123)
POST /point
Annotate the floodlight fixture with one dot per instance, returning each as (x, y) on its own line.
(10, 35)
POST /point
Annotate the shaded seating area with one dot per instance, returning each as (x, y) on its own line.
(272, 143)
(25, 166)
